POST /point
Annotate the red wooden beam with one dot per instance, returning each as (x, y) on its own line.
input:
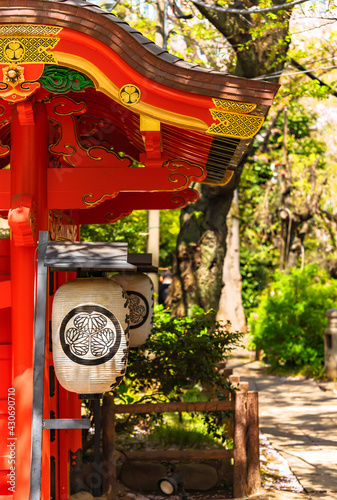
(125, 203)
(71, 188)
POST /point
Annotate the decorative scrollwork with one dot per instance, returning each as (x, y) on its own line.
(60, 80)
(184, 172)
(61, 110)
(114, 217)
(100, 200)
(181, 201)
(20, 92)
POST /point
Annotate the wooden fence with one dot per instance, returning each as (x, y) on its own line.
(245, 453)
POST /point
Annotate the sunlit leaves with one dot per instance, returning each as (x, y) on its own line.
(290, 320)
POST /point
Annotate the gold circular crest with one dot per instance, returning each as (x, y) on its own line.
(129, 94)
(14, 51)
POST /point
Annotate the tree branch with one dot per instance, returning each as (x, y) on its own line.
(252, 10)
(312, 76)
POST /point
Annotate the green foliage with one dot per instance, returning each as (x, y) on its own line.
(290, 320)
(183, 431)
(126, 229)
(169, 230)
(177, 363)
(133, 229)
(189, 434)
(181, 353)
(301, 123)
(260, 198)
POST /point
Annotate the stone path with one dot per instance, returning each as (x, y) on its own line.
(300, 421)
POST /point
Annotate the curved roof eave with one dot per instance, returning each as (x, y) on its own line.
(140, 53)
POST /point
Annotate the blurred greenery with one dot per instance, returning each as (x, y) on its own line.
(133, 229)
(289, 323)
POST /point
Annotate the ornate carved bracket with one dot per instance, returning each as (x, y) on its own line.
(61, 110)
(62, 226)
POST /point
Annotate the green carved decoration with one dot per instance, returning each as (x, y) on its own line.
(59, 80)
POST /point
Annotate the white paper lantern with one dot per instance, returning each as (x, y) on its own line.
(139, 288)
(90, 331)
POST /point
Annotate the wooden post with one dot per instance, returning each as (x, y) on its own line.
(240, 447)
(109, 448)
(253, 452)
(29, 163)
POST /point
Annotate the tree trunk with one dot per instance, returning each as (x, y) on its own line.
(201, 245)
(200, 252)
(230, 304)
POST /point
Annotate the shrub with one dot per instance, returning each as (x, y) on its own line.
(290, 320)
(178, 361)
(180, 353)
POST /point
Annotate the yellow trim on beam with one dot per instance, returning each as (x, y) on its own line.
(106, 86)
(147, 124)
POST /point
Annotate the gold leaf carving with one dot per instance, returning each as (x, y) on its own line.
(104, 197)
(129, 94)
(240, 107)
(234, 124)
(26, 43)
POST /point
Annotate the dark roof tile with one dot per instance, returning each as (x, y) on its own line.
(154, 49)
(167, 57)
(141, 39)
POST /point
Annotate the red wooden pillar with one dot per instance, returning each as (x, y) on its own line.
(29, 162)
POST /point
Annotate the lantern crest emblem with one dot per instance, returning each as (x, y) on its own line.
(90, 334)
(139, 309)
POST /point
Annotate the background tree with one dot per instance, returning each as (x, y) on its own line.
(254, 45)
(260, 43)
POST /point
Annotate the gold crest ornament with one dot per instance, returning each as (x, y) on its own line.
(13, 75)
(14, 51)
(129, 94)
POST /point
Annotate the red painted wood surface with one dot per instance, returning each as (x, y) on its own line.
(154, 93)
(99, 175)
(5, 189)
(125, 203)
(5, 294)
(29, 162)
(69, 187)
